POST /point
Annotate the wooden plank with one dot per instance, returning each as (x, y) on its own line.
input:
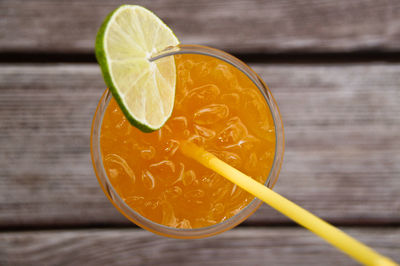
(247, 246)
(342, 149)
(240, 26)
(342, 146)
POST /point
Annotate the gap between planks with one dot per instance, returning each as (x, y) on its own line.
(266, 58)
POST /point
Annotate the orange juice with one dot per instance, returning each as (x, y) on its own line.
(218, 108)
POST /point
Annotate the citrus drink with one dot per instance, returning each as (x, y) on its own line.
(217, 107)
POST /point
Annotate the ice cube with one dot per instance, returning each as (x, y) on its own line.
(220, 193)
(165, 167)
(234, 188)
(236, 194)
(134, 201)
(196, 139)
(171, 147)
(236, 211)
(251, 162)
(234, 131)
(148, 153)
(267, 156)
(211, 114)
(173, 192)
(257, 114)
(152, 204)
(217, 209)
(188, 177)
(178, 123)
(255, 101)
(148, 180)
(203, 222)
(248, 143)
(181, 173)
(188, 64)
(203, 69)
(164, 133)
(184, 224)
(113, 173)
(232, 98)
(204, 132)
(168, 215)
(212, 180)
(227, 75)
(185, 79)
(195, 194)
(114, 158)
(201, 95)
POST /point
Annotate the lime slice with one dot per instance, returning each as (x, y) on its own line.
(144, 90)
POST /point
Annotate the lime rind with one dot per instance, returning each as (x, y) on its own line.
(144, 90)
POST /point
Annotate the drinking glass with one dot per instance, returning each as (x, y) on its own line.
(160, 229)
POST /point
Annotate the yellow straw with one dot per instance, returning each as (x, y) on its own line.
(331, 234)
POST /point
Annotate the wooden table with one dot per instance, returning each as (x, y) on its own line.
(333, 67)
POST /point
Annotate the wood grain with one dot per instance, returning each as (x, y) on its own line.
(240, 26)
(249, 246)
(342, 158)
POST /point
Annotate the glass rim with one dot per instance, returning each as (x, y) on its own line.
(163, 230)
